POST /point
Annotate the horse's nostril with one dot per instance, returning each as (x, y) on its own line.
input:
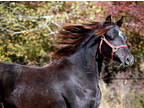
(127, 61)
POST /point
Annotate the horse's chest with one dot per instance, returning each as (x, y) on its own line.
(81, 97)
(85, 98)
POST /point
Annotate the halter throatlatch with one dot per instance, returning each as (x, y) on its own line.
(114, 48)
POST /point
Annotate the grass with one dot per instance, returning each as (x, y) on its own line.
(122, 94)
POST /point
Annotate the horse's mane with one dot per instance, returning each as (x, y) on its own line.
(72, 35)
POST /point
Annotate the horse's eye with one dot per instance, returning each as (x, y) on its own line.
(109, 37)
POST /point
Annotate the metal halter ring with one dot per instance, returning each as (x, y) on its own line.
(115, 49)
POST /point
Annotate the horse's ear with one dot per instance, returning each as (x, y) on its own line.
(108, 19)
(119, 22)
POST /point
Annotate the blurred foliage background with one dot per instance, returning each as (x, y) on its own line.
(27, 36)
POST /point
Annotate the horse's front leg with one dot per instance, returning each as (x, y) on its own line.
(8, 105)
(98, 98)
(1, 105)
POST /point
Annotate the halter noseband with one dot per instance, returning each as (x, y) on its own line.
(114, 48)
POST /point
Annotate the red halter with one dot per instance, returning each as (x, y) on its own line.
(114, 48)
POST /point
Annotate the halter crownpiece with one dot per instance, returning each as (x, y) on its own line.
(114, 48)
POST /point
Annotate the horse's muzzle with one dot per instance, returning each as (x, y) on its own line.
(129, 60)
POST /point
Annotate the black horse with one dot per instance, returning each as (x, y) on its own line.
(72, 81)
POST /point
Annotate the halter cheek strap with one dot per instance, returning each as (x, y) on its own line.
(114, 48)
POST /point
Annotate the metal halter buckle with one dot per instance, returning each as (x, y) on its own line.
(114, 49)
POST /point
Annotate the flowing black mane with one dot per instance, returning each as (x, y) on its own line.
(72, 35)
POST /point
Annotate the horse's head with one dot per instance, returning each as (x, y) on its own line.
(113, 43)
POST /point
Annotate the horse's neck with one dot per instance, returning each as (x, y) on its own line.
(87, 62)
